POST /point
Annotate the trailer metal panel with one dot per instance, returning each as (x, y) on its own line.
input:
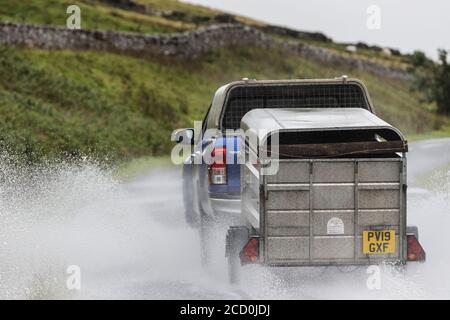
(314, 210)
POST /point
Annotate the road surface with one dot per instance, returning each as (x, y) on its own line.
(131, 241)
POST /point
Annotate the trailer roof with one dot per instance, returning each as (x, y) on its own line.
(264, 122)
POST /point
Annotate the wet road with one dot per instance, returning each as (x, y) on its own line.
(178, 273)
(427, 155)
(130, 241)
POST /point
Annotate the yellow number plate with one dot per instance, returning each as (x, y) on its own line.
(378, 241)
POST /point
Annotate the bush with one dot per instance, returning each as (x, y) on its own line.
(433, 79)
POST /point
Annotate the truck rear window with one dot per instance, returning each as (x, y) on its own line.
(245, 98)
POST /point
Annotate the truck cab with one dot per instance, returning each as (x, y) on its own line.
(211, 191)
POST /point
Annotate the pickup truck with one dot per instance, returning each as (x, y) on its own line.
(217, 190)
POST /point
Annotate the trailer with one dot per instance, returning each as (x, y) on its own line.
(321, 187)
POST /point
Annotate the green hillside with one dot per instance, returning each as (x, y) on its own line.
(126, 106)
(147, 16)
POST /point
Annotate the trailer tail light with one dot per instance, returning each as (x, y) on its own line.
(415, 250)
(250, 252)
(218, 170)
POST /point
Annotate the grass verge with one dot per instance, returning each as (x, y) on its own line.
(436, 134)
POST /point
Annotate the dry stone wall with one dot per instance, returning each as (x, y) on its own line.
(188, 44)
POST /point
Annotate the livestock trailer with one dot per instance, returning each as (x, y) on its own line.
(321, 187)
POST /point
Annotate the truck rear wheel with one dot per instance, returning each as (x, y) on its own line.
(205, 230)
(191, 211)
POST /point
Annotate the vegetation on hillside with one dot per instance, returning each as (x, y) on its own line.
(88, 102)
(433, 80)
(80, 102)
(164, 16)
(149, 16)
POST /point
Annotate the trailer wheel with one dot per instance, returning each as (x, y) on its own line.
(234, 269)
(236, 239)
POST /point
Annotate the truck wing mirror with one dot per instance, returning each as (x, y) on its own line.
(183, 136)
